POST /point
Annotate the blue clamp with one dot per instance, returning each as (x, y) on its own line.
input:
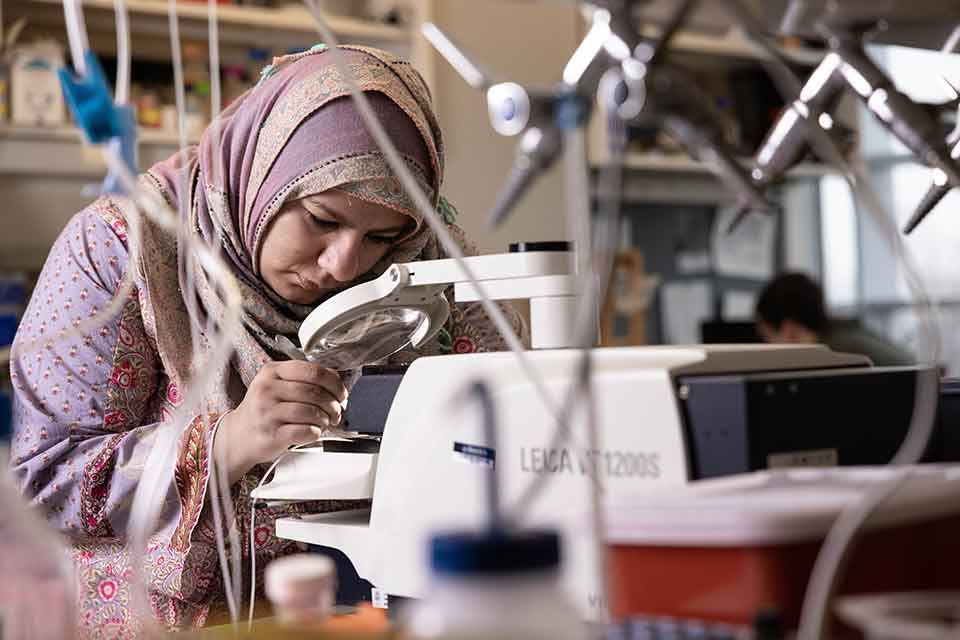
(100, 119)
(90, 101)
(127, 140)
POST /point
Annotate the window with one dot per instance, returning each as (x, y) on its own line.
(868, 268)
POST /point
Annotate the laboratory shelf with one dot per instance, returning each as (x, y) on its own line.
(284, 27)
(62, 151)
(711, 34)
(680, 163)
(733, 44)
(70, 133)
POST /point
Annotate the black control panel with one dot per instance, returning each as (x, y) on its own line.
(371, 398)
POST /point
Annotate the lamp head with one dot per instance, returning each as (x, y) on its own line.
(371, 321)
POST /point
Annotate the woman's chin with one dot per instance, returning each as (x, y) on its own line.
(295, 294)
(304, 297)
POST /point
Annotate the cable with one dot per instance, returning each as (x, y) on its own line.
(234, 571)
(833, 554)
(578, 221)
(253, 540)
(121, 93)
(433, 219)
(77, 34)
(163, 453)
(386, 145)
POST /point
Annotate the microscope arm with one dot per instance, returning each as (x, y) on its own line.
(784, 144)
(913, 124)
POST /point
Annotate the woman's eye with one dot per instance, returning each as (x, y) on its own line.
(320, 223)
(382, 239)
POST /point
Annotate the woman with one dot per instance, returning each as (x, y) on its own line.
(301, 203)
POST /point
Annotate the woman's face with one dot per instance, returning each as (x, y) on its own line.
(326, 241)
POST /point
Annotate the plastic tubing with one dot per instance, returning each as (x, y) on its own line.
(221, 501)
(253, 538)
(76, 33)
(433, 219)
(121, 93)
(159, 465)
(834, 553)
(146, 503)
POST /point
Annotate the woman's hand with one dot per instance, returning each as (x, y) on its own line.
(287, 403)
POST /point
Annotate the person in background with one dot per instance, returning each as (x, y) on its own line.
(298, 198)
(791, 309)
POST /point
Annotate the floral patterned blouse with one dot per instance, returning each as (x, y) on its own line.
(86, 409)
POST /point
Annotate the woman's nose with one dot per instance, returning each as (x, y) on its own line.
(341, 258)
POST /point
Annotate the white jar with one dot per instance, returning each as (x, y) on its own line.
(302, 588)
(495, 586)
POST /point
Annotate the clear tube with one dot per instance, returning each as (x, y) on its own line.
(604, 245)
(77, 34)
(231, 568)
(578, 222)
(253, 538)
(833, 554)
(159, 463)
(587, 315)
(121, 94)
(187, 265)
(432, 218)
(147, 499)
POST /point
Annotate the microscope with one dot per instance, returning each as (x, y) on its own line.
(666, 416)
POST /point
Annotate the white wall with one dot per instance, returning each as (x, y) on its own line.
(527, 42)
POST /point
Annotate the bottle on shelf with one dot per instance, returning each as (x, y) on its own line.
(235, 82)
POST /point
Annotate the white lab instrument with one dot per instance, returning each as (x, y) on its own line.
(430, 470)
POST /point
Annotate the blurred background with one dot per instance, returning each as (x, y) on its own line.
(679, 279)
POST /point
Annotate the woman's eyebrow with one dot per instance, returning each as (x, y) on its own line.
(336, 215)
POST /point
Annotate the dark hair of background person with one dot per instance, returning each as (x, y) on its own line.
(793, 296)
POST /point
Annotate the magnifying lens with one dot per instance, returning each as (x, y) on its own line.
(372, 321)
(406, 306)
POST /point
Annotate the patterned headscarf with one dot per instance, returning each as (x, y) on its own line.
(295, 134)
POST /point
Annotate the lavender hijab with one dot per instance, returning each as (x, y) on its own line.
(296, 134)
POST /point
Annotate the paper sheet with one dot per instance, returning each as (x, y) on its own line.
(739, 305)
(683, 306)
(748, 251)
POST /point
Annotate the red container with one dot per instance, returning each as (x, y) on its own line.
(722, 550)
